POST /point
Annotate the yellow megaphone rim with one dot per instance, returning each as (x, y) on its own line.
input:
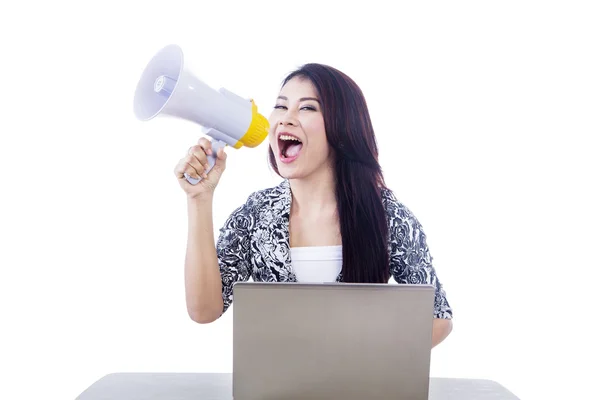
(257, 131)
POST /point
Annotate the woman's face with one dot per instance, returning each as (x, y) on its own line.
(297, 134)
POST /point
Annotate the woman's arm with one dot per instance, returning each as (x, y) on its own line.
(202, 276)
(411, 263)
(212, 270)
(441, 329)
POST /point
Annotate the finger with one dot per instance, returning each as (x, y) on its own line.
(189, 165)
(193, 172)
(197, 166)
(199, 153)
(183, 167)
(205, 144)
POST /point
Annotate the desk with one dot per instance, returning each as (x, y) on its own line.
(217, 386)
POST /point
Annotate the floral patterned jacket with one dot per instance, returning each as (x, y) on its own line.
(254, 242)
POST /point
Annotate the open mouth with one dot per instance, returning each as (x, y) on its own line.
(290, 147)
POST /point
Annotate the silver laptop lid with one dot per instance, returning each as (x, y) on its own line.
(331, 341)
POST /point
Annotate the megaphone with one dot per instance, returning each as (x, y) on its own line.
(167, 88)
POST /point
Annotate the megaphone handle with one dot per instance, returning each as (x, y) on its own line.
(216, 145)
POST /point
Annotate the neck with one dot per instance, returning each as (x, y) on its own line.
(314, 194)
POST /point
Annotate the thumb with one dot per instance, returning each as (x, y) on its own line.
(220, 164)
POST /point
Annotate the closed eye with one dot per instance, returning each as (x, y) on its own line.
(311, 108)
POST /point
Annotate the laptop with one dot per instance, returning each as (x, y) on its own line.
(304, 341)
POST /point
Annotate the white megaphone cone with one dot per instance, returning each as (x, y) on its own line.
(167, 88)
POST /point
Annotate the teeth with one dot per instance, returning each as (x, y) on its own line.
(286, 137)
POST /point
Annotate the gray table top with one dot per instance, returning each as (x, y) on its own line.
(217, 386)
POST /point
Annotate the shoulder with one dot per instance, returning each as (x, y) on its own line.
(394, 208)
(268, 197)
(404, 227)
(262, 203)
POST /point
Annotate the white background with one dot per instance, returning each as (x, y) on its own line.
(487, 116)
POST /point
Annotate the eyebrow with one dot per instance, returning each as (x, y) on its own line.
(301, 99)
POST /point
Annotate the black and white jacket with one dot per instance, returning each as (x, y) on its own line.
(254, 242)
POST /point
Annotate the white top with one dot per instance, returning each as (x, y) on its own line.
(317, 264)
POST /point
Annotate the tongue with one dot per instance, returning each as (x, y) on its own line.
(293, 150)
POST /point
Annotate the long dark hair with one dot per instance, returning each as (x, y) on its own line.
(358, 175)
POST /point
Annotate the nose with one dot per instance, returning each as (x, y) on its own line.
(288, 120)
(280, 119)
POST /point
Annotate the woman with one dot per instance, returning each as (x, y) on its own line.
(331, 219)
